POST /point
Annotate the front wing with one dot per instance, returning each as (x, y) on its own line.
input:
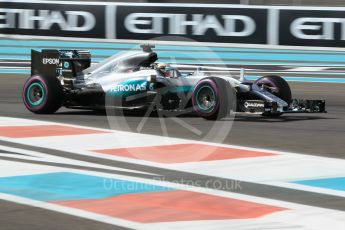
(295, 106)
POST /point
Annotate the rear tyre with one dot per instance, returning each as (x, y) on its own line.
(42, 95)
(278, 87)
(212, 98)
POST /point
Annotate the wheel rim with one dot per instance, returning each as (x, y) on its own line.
(35, 94)
(206, 98)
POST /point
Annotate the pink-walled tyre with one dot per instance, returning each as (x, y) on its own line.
(42, 95)
(280, 88)
(212, 99)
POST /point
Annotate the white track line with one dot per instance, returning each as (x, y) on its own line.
(291, 166)
(296, 217)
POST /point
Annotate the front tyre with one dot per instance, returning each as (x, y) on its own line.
(212, 98)
(278, 87)
(42, 95)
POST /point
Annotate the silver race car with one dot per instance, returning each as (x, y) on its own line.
(134, 80)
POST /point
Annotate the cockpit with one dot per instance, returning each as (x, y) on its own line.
(131, 62)
(124, 62)
(167, 70)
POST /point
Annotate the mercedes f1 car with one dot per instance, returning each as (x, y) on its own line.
(133, 80)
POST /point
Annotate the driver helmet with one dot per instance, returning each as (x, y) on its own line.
(161, 66)
(166, 69)
(169, 71)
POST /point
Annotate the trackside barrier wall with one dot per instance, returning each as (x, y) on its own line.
(215, 24)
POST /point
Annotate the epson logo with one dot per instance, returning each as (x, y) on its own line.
(50, 61)
(129, 87)
(46, 19)
(317, 28)
(225, 25)
(253, 105)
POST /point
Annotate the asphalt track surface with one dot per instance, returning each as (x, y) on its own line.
(314, 134)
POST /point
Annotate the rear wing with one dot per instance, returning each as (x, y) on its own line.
(53, 63)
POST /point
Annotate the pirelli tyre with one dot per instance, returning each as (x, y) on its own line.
(42, 95)
(213, 98)
(278, 86)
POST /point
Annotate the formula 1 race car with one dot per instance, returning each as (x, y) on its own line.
(133, 80)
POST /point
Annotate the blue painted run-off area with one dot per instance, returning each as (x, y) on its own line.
(186, 53)
(14, 49)
(71, 186)
(328, 183)
(21, 49)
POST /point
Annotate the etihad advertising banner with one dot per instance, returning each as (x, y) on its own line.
(229, 24)
(312, 28)
(45, 19)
